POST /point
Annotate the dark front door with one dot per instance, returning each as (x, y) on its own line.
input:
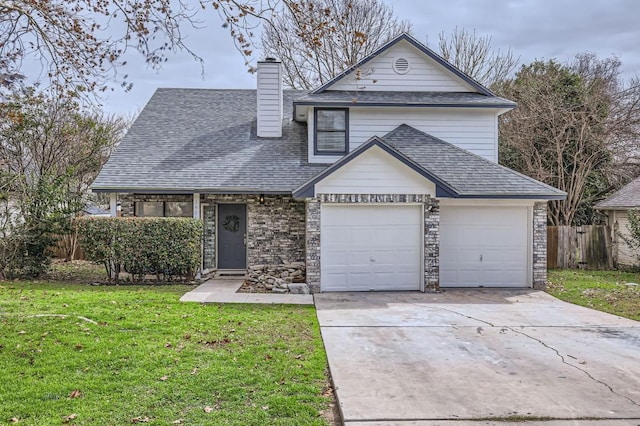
(232, 231)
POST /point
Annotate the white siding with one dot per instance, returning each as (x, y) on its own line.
(424, 75)
(473, 130)
(375, 172)
(269, 99)
(619, 222)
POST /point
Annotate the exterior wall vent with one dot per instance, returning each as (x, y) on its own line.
(401, 66)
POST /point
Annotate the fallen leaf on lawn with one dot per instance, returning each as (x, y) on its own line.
(265, 407)
(75, 394)
(45, 334)
(14, 420)
(178, 422)
(167, 345)
(64, 305)
(164, 378)
(194, 371)
(67, 419)
(268, 357)
(22, 332)
(140, 419)
(298, 356)
(208, 409)
(78, 347)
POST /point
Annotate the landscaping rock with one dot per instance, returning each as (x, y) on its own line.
(298, 288)
(267, 277)
(279, 290)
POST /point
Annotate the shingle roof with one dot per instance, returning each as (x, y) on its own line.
(421, 99)
(625, 198)
(456, 172)
(466, 173)
(200, 140)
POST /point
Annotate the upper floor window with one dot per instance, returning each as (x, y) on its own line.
(163, 208)
(331, 131)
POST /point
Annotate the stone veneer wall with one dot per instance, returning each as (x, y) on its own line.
(540, 245)
(312, 255)
(431, 231)
(275, 229)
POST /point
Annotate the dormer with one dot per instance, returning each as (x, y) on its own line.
(403, 82)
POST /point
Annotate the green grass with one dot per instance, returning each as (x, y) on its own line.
(602, 290)
(149, 358)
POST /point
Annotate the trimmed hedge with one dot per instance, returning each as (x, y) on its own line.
(166, 247)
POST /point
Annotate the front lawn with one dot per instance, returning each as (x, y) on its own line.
(602, 290)
(72, 353)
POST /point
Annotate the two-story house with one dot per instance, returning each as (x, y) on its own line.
(385, 178)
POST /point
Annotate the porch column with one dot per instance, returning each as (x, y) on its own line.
(196, 205)
(113, 204)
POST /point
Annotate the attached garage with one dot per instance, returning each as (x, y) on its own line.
(371, 247)
(483, 246)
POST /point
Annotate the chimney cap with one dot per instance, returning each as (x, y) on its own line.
(269, 60)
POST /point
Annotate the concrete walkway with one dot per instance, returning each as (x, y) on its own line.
(221, 290)
(475, 357)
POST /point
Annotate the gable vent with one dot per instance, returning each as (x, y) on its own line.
(401, 65)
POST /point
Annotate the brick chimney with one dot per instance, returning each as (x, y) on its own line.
(269, 97)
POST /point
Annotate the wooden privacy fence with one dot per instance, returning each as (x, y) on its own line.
(587, 246)
(59, 250)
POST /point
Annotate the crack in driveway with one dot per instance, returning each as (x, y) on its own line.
(564, 361)
(562, 358)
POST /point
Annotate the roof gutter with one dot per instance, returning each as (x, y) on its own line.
(401, 104)
(188, 191)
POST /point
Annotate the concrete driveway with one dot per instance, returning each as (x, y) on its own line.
(428, 359)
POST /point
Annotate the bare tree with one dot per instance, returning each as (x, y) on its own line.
(474, 56)
(573, 127)
(318, 39)
(80, 43)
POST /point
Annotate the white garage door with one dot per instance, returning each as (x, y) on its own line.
(484, 246)
(364, 248)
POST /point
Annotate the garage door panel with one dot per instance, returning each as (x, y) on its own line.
(371, 248)
(484, 246)
(335, 237)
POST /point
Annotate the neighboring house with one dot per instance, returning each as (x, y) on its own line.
(617, 207)
(385, 178)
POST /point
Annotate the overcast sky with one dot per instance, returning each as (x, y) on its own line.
(534, 29)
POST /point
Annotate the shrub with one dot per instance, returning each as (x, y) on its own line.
(168, 248)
